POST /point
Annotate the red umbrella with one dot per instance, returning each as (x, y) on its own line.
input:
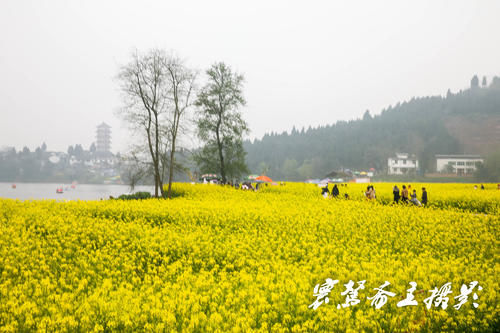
(264, 179)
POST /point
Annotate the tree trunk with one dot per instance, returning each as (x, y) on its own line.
(157, 159)
(221, 156)
(150, 145)
(219, 143)
(171, 169)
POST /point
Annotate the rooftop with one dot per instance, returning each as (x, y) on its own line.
(459, 156)
(404, 156)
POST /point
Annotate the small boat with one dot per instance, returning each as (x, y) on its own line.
(13, 186)
(59, 190)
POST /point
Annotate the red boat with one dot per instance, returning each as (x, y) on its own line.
(14, 186)
(59, 190)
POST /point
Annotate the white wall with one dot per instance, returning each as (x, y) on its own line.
(459, 164)
(395, 165)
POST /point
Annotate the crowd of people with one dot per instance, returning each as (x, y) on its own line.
(406, 195)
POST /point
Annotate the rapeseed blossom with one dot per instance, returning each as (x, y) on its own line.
(221, 259)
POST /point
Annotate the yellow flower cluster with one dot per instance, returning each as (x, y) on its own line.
(227, 260)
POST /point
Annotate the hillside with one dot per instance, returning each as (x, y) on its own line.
(479, 134)
(465, 122)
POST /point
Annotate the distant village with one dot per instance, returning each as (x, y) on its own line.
(406, 165)
(95, 165)
(98, 165)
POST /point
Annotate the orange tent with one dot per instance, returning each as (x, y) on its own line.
(264, 179)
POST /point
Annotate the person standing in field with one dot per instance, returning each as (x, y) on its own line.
(404, 195)
(335, 191)
(424, 196)
(395, 192)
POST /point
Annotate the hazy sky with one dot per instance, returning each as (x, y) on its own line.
(305, 63)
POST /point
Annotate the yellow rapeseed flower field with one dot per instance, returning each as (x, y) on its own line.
(227, 260)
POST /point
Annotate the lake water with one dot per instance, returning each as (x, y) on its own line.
(26, 191)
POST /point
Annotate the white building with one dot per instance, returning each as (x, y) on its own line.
(402, 164)
(458, 164)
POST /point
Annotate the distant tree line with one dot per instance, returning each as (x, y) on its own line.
(37, 166)
(40, 166)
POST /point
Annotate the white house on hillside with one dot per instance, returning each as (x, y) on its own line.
(458, 164)
(402, 164)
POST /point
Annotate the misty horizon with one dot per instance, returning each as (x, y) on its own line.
(311, 67)
(250, 137)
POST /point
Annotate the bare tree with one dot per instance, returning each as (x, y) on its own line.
(181, 89)
(145, 88)
(158, 89)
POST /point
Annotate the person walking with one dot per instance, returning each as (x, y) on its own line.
(424, 196)
(395, 192)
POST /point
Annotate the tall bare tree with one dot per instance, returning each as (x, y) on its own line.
(182, 81)
(158, 89)
(145, 89)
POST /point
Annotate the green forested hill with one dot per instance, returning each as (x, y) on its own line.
(465, 122)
